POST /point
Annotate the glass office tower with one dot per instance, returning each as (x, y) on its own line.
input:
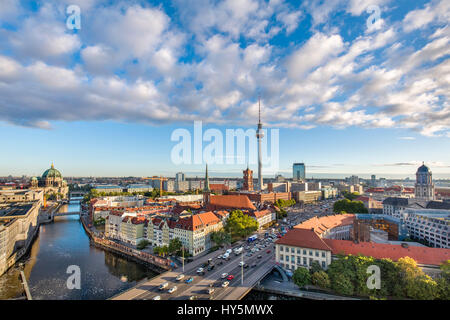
(298, 172)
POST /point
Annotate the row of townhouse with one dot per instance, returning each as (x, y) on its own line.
(193, 230)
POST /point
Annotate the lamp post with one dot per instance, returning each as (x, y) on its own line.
(242, 268)
(182, 252)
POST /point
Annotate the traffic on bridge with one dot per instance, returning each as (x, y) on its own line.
(221, 275)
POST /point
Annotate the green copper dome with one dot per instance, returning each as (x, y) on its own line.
(52, 173)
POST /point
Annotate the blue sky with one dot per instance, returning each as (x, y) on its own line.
(349, 91)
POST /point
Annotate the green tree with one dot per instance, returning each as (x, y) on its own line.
(301, 277)
(350, 195)
(142, 244)
(349, 206)
(320, 279)
(220, 237)
(315, 267)
(240, 225)
(174, 245)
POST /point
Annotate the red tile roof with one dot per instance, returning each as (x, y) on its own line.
(324, 223)
(423, 255)
(259, 214)
(238, 201)
(197, 221)
(303, 238)
(218, 187)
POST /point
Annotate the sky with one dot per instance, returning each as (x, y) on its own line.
(350, 87)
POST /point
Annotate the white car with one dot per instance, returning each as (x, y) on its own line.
(220, 257)
(179, 277)
(241, 263)
(225, 284)
(200, 270)
(224, 275)
(157, 298)
(229, 251)
(173, 289)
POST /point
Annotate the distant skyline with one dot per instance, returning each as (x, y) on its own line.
(350, 92)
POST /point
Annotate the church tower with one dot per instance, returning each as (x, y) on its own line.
(424, 188)
(206, 190)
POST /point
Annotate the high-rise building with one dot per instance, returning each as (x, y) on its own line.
(373, 180)
(248, 180)
(179, 177)
(298, 171)
(259, 136)
(424, 188)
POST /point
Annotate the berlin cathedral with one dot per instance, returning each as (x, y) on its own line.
(52, 183)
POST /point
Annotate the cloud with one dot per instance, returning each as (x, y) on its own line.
(210, 60)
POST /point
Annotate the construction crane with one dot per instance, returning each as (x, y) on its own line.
(161, 179)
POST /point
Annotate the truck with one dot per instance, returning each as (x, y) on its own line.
(252, 238)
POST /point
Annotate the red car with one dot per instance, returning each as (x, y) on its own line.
(230, 277)
(268, 251)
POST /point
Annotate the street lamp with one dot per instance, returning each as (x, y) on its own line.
(242, 268)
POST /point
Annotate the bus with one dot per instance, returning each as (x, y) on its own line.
(252, 238)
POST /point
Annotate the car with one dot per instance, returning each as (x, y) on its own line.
(220, 257)
(241, 263)
(189, 280)
(209, 260)
(210, 290)
(220, 263)
(204, 264)
(193, 298)
(200, 270)
(259, 256)
(245, 266)
(230, 277)
(163, 285)
(225, 284)
(224, 275)
(157, 298)
(253, 265)
(268, 251)
(210, 267)
(179, 277)
(249, 254)
(173, 289)
(229, 251)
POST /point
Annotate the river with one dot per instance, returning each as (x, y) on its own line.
(64, 243)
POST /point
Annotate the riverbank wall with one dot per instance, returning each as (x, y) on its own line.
(155, 263)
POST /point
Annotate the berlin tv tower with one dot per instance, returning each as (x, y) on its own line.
(259, 136)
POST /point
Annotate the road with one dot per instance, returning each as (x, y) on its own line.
(149, 289)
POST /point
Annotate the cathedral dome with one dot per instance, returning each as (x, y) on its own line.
(52, 173)
(423, 169)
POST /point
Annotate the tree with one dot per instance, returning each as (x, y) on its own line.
(142, 244)
(301, 277)
(320, 279)
(220, 237)
(240, 225)
(315, 267)
(416, 284)
(174, 245)
(350, 195)
(349, 206)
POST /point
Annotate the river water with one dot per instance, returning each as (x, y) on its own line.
(64, 243)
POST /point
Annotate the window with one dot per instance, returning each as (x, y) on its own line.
(317, 253)
(281, 257)
(323, 254)
(323, 264)
(310, 253)
(281, 248)
(304, 261)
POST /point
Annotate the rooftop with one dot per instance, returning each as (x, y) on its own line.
(304, 238)
(15, 209)
(423, 255)
(322, 224)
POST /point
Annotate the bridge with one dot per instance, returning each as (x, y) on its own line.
(244, 278)
(77, 194)
(59, 214)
